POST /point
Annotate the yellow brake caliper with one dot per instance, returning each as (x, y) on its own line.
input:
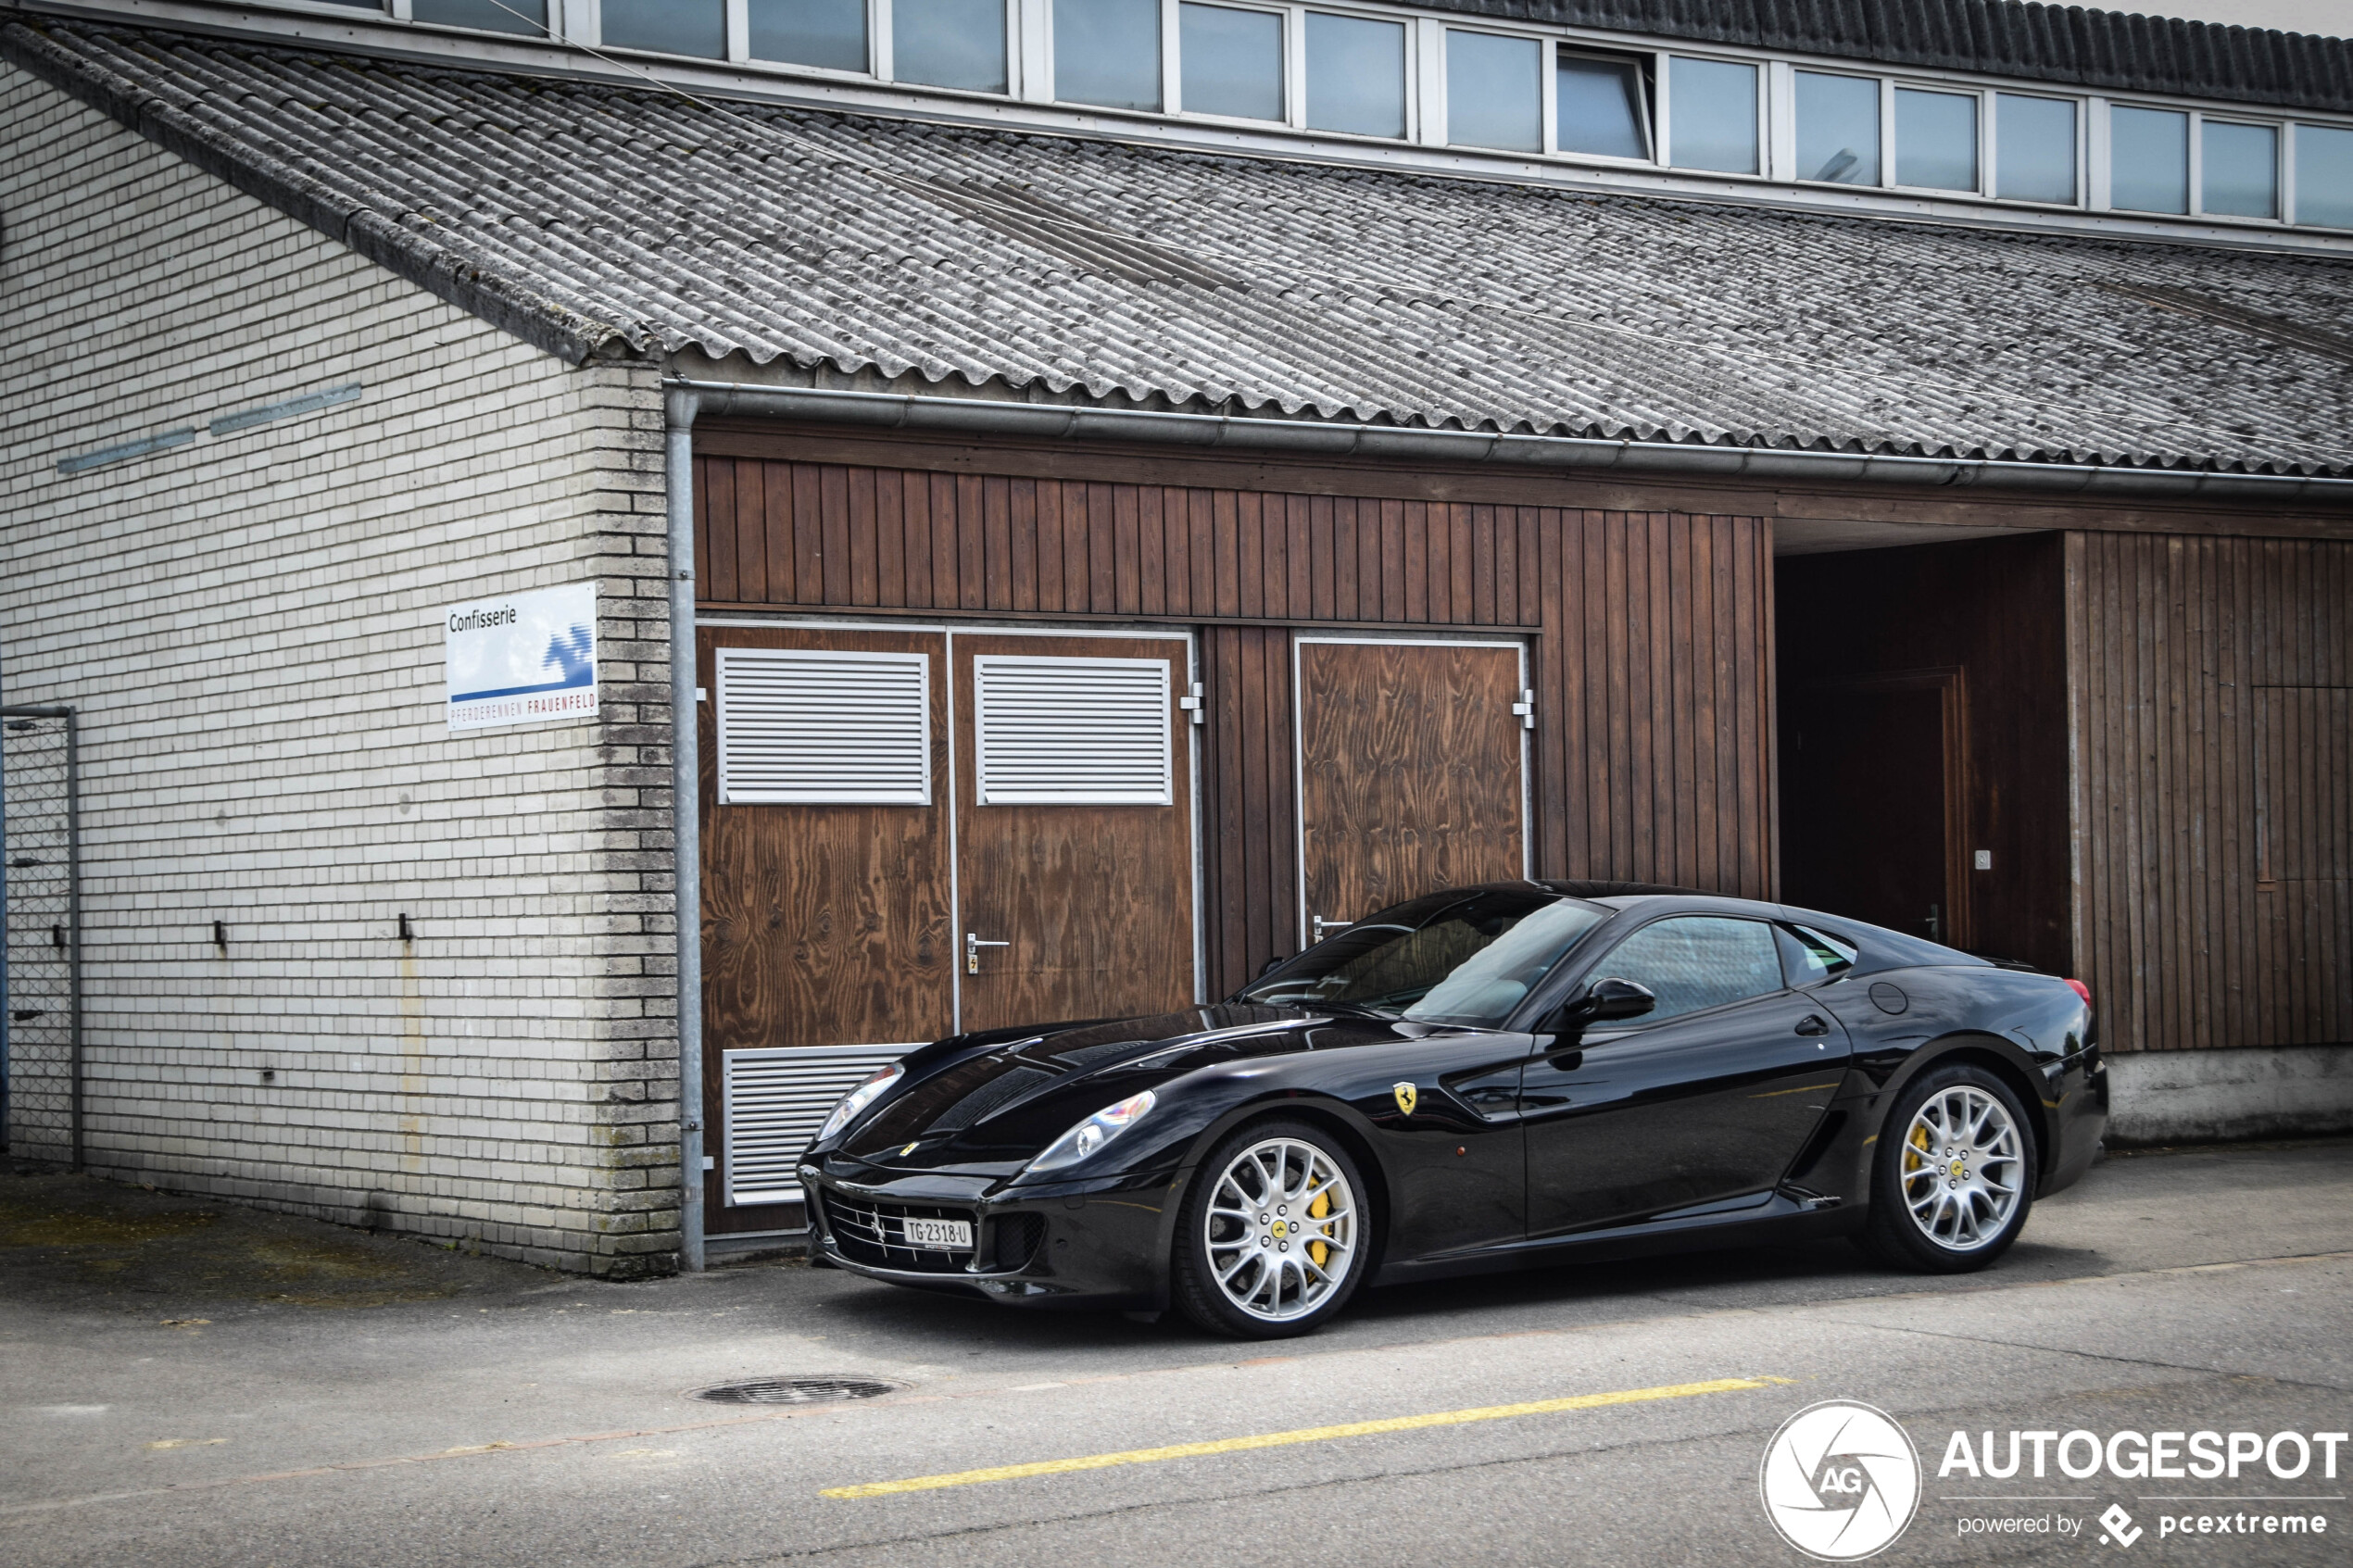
(1317, 1210)
(1912, 1160)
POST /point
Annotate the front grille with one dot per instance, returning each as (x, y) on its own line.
(875, 1235)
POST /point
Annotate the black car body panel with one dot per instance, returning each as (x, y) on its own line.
(1495, 1146)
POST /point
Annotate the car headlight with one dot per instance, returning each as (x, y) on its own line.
(859, 1099)
(1093, 1133)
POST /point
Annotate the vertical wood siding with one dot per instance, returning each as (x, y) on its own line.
(2206, 674)
(1652, 661)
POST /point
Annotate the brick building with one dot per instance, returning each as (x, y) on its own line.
(1960, 536)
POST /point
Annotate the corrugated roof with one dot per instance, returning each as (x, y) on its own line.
(587, 217)
(2117, 51)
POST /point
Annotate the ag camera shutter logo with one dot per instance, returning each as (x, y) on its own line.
(1839, 1480)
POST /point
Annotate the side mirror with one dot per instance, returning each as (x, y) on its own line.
(1271, 964)
(1608, 1000)
(1603, 1001)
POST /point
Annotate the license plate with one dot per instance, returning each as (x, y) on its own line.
(948, 1236)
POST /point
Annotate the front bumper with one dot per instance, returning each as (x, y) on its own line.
(1097, 1243)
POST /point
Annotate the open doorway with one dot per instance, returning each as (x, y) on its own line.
(1923, 736)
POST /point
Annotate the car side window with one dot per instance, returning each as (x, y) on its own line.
(1690, 962)
(1810, 957)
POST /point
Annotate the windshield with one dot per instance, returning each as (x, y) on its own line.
(1452, 958)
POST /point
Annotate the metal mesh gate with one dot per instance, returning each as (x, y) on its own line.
(41, 1069)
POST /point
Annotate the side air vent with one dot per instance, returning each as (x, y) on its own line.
(1073, 731)
(802, 727)
(771, 1103)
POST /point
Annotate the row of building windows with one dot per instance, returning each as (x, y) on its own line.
(1385, 77)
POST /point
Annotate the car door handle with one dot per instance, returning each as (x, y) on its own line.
(1565, 1061)
(1813, 1023)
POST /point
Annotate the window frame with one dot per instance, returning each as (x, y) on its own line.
(1050, 80)
(878, 46)
(1887, 130)
(2290, 151)
(1646, 64)
(2282, 191)
(1420, 61)
(1990, 137)
(1598, 968)
(1171, 64)
(1443, 120)
(1663, 112)
(1892, 154)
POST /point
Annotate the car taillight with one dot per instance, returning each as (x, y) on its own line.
(2082, 990)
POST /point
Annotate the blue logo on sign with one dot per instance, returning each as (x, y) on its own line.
(571, 654)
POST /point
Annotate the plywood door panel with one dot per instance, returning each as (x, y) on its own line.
(822, 925)
(1409, 774)
(825, 924)
(1095, 902)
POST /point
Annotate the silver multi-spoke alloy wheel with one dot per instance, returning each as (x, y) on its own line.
(1963, 1168)
(1282, 1229)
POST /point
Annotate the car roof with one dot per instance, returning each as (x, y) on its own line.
(1881, 949)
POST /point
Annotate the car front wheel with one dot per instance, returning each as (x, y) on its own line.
(1954, 1174)
(1274, 1234)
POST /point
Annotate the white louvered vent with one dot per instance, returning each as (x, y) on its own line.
(772, 1101)
(802, 727)
(1073, 731)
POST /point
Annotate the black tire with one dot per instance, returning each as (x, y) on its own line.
(1947, 1180)
(1194, 1274)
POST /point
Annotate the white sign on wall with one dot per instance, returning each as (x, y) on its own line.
(526, 658)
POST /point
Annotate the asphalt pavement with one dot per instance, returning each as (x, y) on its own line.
(192, 1382)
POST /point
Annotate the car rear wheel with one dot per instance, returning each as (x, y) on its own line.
(1955, 1174)
(1273, 1237)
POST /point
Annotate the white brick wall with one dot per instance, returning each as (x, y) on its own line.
(247, 625)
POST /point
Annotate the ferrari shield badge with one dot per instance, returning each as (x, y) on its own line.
(1406, 1096)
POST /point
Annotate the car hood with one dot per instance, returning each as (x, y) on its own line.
(1001, 1103)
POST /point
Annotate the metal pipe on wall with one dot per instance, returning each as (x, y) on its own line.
(1332, 438)
(686, 817)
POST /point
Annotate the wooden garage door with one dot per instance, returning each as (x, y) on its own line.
(1411, 773)
(870, 817)
(1074, 827)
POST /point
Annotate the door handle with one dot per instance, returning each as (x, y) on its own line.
(1323, 925)
(973, 944)
(1813, 1023)
(1565, 1061)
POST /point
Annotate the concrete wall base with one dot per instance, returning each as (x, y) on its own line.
(2199, 1096)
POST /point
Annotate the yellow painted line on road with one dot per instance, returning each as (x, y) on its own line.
(1303, 1434)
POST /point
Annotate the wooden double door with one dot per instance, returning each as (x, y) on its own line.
(1411, 771)
(909, 834)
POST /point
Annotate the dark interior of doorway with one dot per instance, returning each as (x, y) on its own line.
(1923, 741)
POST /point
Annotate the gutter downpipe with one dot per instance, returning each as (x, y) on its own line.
(686, 817)
(1321, 438)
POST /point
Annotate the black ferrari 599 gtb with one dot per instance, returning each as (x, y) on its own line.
(1493, 1077)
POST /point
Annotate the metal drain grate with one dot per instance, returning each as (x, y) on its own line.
(796, 1390)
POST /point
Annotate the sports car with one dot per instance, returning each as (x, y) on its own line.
(1504, 1076)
